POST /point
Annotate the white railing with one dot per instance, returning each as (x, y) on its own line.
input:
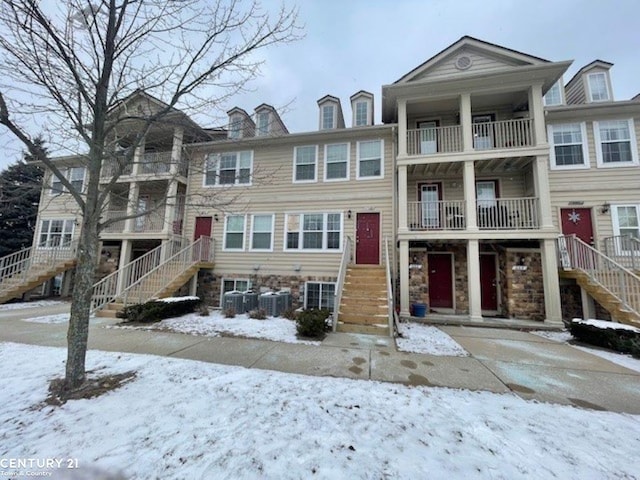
(157, 279)
(428, 141)
(574, 254)
(503, 134)
(155, 163)
(118, 226)
(106, 290)
(624, 249)
(110, 167)
(20, 265)
(508, 214)
(436, 215)
(393, 318)
(153, 221)
(342, 273)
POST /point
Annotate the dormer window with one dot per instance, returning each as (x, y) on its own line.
(361, 113)
(554, 95)
(262, 124)
(328, 117)
(235, 126)
(361, 109)
(598, 88)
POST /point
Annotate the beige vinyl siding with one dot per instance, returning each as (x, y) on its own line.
(595, 186)
(56, 207)
(449, 118)
(575, 93)
(274, 192)
(479, 63)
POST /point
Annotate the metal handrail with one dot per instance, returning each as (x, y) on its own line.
(625, 249)
(342, 273)
(393, 319)
(623, 284)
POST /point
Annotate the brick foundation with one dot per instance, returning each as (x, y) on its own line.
(524, 288)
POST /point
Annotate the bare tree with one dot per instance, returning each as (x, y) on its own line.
(73, 62)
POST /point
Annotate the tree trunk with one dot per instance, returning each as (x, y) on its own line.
(78, 333)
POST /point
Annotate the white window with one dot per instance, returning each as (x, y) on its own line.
(568, 146)
(235, 126)
(554, 95)
(75, 175)
(328, 117)
(305, 163)
(336, 162)
(370, 159)
(626, 222)
(262, 232)
(234, 232)
(598, 88)
(234, 285)
(486, 194)
(262, 124)
(615, 143)
(55, 233)
(232, 168)
(314, 231)
(319, 295)
(361, 113)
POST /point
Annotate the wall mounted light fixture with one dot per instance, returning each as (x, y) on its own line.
(604, 209)
(349, 214)
(216, 218)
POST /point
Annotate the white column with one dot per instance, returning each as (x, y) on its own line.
(125, 257)
(136, 168)
(551, 283)
(465, 122)
(172, 188)
(543, 191)
(536, 111)
(588, 305)
(473, 280)
(132, 206)
(402, 199)
(176, 150)
(469, 180)
(404, 278)
(402, 128)
(193, 286)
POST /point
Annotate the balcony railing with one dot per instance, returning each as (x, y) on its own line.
(426, 141)
(498, 214)
(155, 163)
(115, 227)
(153, 221)
(110, 167)
(503, 134)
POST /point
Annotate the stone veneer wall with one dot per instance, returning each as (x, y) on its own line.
(210, 285)
(524, 288)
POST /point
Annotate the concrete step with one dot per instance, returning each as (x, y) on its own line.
(366, 329)
(363, 308)
(362, 319)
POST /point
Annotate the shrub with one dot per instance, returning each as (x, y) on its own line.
(290, 313)
(258, 314)
(156, 310)
(313, 323)
(229, 312)
(618, 339)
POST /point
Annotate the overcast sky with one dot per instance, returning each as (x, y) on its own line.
(353, 45)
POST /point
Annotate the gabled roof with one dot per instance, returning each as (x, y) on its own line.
(481, 45)
(636, 98)
(274, 112)
(328, 98)
(237, 110)
(590, 66)
(361, 93)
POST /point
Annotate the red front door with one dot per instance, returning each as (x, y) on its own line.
(488, 282)
(368, 239)
(577, 221)
(440, 280)
(203, 227)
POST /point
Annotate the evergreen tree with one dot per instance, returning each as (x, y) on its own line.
(20, 186)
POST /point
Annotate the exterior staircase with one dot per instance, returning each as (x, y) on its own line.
(364, 304)
(609, 283)
(25, 270)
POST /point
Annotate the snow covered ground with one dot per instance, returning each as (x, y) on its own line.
(59, 318)
(186, 419)
(419, 338)
(36, 304)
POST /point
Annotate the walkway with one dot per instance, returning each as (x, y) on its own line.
(500, 360)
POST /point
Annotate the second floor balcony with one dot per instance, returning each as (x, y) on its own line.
(152, 164)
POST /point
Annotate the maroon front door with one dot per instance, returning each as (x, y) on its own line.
(440, 280)
(368, 239)
(488, 282)
(203, 227)
(577, 221)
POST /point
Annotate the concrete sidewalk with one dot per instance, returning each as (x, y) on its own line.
(500, 360)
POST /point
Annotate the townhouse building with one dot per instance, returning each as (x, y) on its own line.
(490, 189)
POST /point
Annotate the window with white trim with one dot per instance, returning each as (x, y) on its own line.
(262, 232)
(262, 124)
(314, 231)
(56, 233)
(305, 163)
(230, 168)
(75, 176)
(319, 295)
(328, 117)
(568, 146)
(553, 95)
(626, 223)
(235, 127)
(234, 232)
(361, 113)
(615, 143)
(336, 162)
(370, 159)
(598, 88)
(234, 285)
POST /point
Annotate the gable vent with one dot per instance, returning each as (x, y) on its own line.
(463, 62)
